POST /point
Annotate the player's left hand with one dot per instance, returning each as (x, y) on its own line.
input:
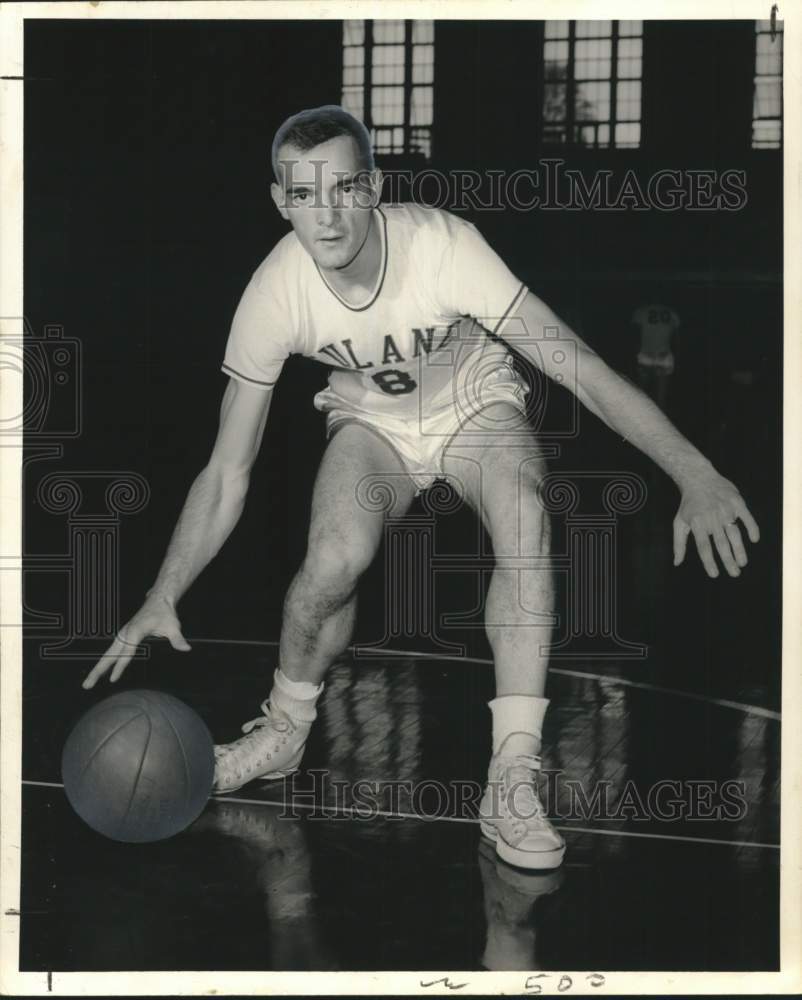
(711, 509)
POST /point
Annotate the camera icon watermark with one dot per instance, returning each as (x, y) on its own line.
(476, 371)
(48, 369)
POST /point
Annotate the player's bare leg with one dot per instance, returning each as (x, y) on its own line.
(498, 474)
(320, 606)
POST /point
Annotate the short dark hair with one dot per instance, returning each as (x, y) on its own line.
(314, 126)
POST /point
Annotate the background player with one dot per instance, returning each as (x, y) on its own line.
(409, 306)
(657, 324)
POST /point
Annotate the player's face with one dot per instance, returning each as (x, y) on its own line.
(328, 198)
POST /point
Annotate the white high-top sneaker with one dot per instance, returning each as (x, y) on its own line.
(272, 748)
(511, 813)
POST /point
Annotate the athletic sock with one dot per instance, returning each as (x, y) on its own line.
(297, 699)
(518, 723)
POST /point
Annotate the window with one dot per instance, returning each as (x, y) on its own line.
(767, 120)
(388, 82)
(592, 74)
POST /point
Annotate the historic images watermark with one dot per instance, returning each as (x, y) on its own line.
(553, 186)
(320, 795)
(547, 186)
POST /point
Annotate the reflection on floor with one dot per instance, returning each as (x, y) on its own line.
(371, 858)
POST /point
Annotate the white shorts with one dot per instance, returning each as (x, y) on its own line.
(419, 441)
(663, 363)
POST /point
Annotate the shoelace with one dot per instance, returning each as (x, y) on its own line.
(252, 729)
(266, 719)
(519, 772)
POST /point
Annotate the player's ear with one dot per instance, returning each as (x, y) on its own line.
(279, 197)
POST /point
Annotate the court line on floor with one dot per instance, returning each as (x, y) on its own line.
(765, 713)
(386, 814)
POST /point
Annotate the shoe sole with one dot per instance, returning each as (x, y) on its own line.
(273, 776)
(532, 860)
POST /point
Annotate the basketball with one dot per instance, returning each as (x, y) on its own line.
(138, 766)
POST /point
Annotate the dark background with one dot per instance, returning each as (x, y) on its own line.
(147, 209)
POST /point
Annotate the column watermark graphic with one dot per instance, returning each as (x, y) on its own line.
(91, 561)
(493, 419)
(87, 565)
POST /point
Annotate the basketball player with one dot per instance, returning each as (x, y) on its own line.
(656, 325)
(408, 306)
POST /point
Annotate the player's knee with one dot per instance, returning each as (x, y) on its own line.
(528, 535)
(514, 505)
(335, 564)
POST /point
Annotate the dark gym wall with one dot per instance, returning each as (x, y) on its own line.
(147, 208)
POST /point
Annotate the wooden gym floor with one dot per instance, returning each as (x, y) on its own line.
(322, 873)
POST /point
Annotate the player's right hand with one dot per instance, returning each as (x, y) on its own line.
(157, 618)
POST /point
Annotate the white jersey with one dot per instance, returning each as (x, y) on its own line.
(657, 325)
(410, 344)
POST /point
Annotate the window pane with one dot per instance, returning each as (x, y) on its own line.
(763, 42)
(554, 102)
(555, 29)
(769, 54)
(388, 74)
(553, 135)
(594, 48)
(767, 64)
(592, 60)
(768, 99)
(592, 102)
(630, 64)
(353, 76)
(629, 47)
(388, 32)
(422, 106)
(421, 140)
(630, 69)
(388, 55)
(767, 103)
(352, 101)
(387, 140)
(423, 145)
(586, 46)
(627, 135)
(422, 31)
(354, 32)
(392, 92)
(627, 108)
(593, 29)
(587, 135)
(423, 64)
(387, 105)
(555, 52)
(354, 57)
(388, 64)
(554, 72)
(766, 135)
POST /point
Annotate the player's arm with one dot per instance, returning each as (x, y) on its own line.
(212, 508)
(710, 504)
